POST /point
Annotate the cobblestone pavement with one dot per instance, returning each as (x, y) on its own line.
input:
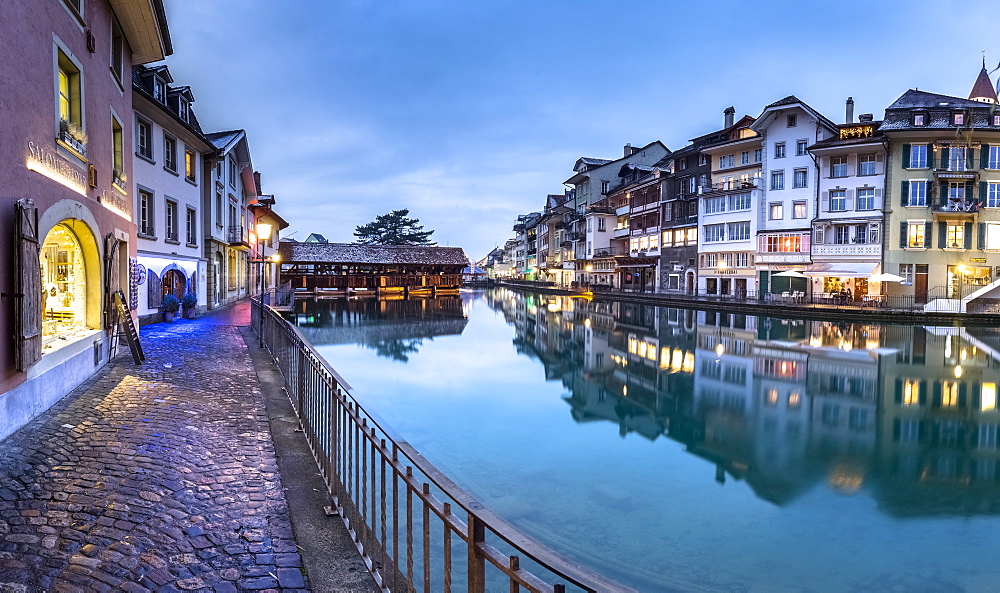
(161, 477)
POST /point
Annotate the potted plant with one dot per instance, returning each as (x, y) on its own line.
(169, 306)
(190, 305)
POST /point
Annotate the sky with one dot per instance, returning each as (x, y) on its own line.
(470, 112)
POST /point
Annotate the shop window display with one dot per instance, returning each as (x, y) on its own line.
(64, 286)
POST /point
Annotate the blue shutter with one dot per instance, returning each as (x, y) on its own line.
(906, 156)
(904, 193)
(984, 156)
(968, 236)
(983, 191)
(902, 234)
(943, 193)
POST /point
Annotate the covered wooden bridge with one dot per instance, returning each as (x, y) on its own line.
(340, 269)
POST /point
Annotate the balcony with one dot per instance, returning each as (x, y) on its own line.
(849, 249)
(238, 235)
(623, 210)
(956, 208)
(621, 232)
(609, 252)
(601, 210)
(734, 185)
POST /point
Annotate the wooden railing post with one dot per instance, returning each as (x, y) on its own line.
(477, 563)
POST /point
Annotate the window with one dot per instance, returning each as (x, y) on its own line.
(190, 165)
(714, 205)
(191, 225)
(682, 164)
(861, 233)
(601, 225)
(232, 173)
(183, 108)
(919, 119)
(777, 180)
(958, 119)
(745, 157)
(988, 397)
(873, 231)
(146, 213)
(758, 155)
(692, 184)
(218, 204)
(956, 191)
(955, 236)
(739, 202)
(956, 158)
(906, 272)
(915, 235)
(774, 211)
(996, 119)
(800, 147)
(739, 231)
(715, 232)
(838, 166)
(726, 161)
(70, 103)
(800, 178)
(994, 158)
(169, 153)
(779, 150)
(117, 49)
(692, 236)
(918, 156)
(159, 90)
(841, 235)
(799, 210)
(838, 200)
(866, 164)
(993, 194)
(144, 138)
(791, 120)
(784, 243)
(918, 193)
(702, 159)
(865, 198)
(171, 216)
(949, 394)
(117, 151)
(911, 392)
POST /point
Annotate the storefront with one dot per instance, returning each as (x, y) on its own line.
(67, 280)
(845, 281)
(637, 274)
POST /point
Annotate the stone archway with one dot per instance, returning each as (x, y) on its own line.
(70, 280)
(173, 281)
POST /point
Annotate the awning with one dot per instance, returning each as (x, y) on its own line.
(841, 270)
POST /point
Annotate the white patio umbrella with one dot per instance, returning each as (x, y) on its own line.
(885, 278)
(793, 274)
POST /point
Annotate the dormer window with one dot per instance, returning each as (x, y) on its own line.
(958, 118)
(996, 119)
(919, 119)
(159, 90)
(183, 109)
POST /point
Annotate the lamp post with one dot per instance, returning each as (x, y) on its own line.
(263, 234)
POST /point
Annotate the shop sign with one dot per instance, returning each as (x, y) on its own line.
(115, 203)
(977, 260)
(140, 274)
(56, 168)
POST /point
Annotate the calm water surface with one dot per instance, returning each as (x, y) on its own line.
(693, 450)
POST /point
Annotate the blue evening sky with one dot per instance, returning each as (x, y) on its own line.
(469, 113)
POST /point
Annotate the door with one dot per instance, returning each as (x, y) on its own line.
(920, 285)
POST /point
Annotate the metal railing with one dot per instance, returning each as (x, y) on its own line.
(415, 529)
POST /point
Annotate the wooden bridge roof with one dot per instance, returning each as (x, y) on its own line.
(352, 253)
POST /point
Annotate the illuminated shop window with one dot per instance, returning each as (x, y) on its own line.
(64, 286)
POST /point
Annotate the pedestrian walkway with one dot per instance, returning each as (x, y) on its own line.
(161, 477)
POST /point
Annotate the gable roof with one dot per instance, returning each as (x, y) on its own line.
(354, 253)
(764, 119)
(579, 174)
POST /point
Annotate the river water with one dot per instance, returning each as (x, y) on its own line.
(675, 449)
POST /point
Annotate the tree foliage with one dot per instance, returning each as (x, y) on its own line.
(394, 228)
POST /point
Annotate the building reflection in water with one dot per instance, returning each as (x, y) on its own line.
(904, 411)
(393, 328)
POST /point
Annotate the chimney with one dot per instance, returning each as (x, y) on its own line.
(866, 118)
(730, 114)
(850, 110)
(629, 150)
(256, 181)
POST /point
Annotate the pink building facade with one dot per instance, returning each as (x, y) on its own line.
(66, 209)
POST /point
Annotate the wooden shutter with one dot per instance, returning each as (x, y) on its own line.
(984, 156)
(849, 199)
(825, 201)
(928, 229)
(112, 275)
(898, 396)
(904, 193)
(943, 193)
(942, 235)
(902, 233)
(983, 192)
(981, 236)
(155, 290)
(930, 156)
(936, 399)
(969, 186)
(963, 395)
(906, 156)
(968, 236)
(27, 287)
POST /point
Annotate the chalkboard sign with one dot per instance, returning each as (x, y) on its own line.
(126, 327)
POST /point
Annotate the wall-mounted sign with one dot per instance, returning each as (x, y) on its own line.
(140, 274)
(857, 132)
(977, 260)
(56, 168)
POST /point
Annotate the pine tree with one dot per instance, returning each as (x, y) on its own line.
(394, 228)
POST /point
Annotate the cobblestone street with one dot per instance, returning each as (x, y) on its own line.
(161, 477)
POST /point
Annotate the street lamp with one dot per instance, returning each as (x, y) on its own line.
(263, 234)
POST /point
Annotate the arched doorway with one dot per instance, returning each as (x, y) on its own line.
(69, 284)
(690, 282)
(174, 282)
(219, 291)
